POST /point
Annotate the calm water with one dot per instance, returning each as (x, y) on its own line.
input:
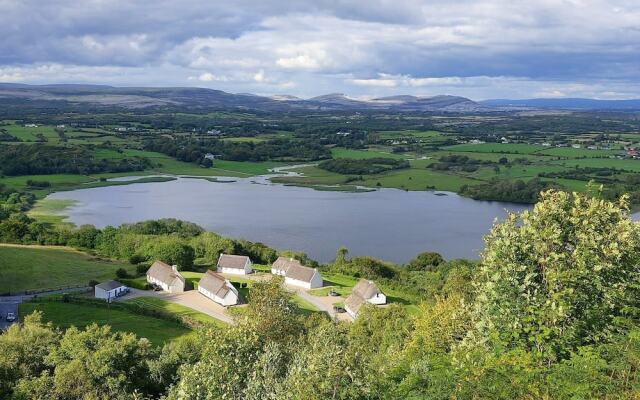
(390, 224)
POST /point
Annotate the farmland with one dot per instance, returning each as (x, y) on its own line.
(243, 144)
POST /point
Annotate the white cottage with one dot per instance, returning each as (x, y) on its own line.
(109, 290)
(296, 274)
(363, 292)
(166, 276)
(282, 264)
(217, 288)
(232, 264)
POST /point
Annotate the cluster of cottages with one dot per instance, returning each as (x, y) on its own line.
(217, 288)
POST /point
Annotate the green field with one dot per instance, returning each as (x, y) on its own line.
(418, 178)
(65, 315)
(173, 308)
(39, 268)
(570, 152)
(514, 148)
(339, 152)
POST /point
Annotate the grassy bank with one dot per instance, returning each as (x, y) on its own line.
(65, 315)
(38, 268)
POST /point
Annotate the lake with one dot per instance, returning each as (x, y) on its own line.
(390, 224)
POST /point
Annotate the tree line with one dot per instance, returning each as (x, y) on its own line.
(23, 159)
(195, 150)
(367, 166)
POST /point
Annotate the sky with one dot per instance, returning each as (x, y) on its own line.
(479, 49)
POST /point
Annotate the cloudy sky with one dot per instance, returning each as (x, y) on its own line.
(479, 49)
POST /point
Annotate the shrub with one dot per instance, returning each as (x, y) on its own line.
(122, 273)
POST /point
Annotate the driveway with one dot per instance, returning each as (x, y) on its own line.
(323, 303)
(192, 299)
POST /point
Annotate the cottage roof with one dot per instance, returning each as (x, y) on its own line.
(300, 273)
(232, 261)
(366, 289)
(110, 285)
(354, 302)
(284, 263)
(163, 272)
(214, 283)
(361, 292)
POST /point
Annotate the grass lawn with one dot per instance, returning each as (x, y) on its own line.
(177, 309)
(305, 307)
(65, 315)
(30, 268)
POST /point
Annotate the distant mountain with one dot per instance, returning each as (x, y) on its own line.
(566, 103)
(200, 98)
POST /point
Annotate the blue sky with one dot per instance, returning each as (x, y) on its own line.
(479, 49)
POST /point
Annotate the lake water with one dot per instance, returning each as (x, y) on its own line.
(389, 224)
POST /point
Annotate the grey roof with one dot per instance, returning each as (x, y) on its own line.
(232, 261)
(284, 263)
(366, 289)
(109, 285)
(354, 302)
(214, 283)
(361, 292)
(300, 273)
(163, 272)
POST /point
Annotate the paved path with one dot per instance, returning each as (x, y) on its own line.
(322, 303)
(192, 299)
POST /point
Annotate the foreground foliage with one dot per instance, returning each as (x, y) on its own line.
(549, 313)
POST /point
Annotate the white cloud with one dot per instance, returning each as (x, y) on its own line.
(478, 48)
(209, 77)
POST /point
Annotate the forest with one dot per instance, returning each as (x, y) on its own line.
(46, 160)
(190, 150)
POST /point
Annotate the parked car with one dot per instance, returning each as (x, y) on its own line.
(338, 309)
(11, 317)
(333, 293)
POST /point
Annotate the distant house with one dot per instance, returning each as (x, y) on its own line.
(30, 125)
(363, 292)
(209, 156)
(166, 276)
(282, 264)
(232, 264)
(296, 274)
(109, 290)
(217, 288)
(576, 146)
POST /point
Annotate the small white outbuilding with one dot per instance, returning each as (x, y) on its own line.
(109, 290)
